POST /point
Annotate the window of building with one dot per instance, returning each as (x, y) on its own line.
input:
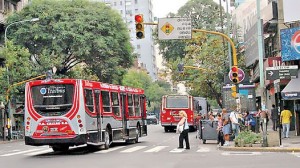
(121, 11)
(121, 3)
(135, 1)
(115, 3)
(136, 10)
(105, 101)
(89, 99)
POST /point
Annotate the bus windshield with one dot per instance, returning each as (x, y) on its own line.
(177, 102)
(55, 99)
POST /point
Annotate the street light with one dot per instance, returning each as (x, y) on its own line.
(5, 44)
(22, 21)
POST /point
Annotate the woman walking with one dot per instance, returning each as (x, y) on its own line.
(184, 135)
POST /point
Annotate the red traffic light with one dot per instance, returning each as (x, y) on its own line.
(139, 18)
(234, 69)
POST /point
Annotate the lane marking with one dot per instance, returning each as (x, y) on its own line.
(203, 150)
(156, 149)
(133, 149)
(39, 152)
(21, 152)
(110, 149)
(241, 153)
(176, 150)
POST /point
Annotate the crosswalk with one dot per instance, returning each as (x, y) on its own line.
(130, 149)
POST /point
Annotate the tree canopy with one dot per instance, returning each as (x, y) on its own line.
(72, 33)
(206, 51)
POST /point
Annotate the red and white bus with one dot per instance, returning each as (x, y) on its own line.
(70, 112)
(170, 107)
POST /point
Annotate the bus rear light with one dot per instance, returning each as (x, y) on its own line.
(79, 121)
(28, 118)
(80, 125)
(27, 127)
(27, 123)
(78, 116)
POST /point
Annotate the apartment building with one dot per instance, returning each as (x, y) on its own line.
(144, 48)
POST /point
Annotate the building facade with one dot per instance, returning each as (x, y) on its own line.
(143, 48)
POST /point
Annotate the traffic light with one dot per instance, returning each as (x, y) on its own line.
(235, 74)
(234, 91)
(139, 26)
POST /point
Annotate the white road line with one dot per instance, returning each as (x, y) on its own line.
(21, 152)
(176, 150)
(296, 154)
(133, 149)
(156, 149)
(110, 149)
(39, 152)
(241, 153)
(16, 150)
(203, 150)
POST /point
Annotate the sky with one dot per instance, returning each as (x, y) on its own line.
(162, 7)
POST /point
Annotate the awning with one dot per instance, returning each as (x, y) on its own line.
(292, 89)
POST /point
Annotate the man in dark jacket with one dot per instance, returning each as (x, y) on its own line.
(274, 117)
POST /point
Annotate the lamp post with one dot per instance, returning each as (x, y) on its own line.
(7, 70)
(22, 21)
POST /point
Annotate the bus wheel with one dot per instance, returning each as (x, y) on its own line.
(138, 133)
(62, 148)
(106, 140)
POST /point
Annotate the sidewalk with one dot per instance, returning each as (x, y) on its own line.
(291, 144)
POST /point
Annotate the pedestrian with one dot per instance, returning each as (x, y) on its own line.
(219, 130)
(235, 125)
(226, 126)
(184, 135)
(274, 117)
(247, 119)
(285, 120)
(263, 119)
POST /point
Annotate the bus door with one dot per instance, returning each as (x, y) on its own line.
(123, 113)
(97, 98)
(144, 115)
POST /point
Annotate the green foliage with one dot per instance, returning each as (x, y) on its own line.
(77, 32)
(247, 138)
(153, 90)
(204, 50)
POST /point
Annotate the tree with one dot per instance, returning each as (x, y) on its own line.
(77, 32)
(204, 50)
(153, 90)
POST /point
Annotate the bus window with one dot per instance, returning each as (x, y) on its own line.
(115, 103)
(130, 105)
(105, 101)
(89, 99)
(137, 105)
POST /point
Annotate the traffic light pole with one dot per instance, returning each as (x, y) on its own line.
(234, 57)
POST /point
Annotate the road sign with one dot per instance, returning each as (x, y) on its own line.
(241, 75)
(174, 28)
(282, 72)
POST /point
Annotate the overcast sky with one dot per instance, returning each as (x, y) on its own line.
(162, 7)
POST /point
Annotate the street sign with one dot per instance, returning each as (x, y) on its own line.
(282, 72)
(174, 28)
(241, 75)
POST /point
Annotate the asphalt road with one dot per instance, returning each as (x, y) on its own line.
(157, 150)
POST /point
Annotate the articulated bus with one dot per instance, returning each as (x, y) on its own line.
(71, 112)
(170, 107)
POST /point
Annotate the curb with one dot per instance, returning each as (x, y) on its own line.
(11, 141)
(261, 149)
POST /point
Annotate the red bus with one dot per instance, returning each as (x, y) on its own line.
(170, 107)
(70, 112)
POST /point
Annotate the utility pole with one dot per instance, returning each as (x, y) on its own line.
(261, 65)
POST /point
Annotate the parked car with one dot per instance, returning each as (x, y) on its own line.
(151, 118)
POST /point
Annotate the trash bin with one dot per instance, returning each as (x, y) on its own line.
(208, 130)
